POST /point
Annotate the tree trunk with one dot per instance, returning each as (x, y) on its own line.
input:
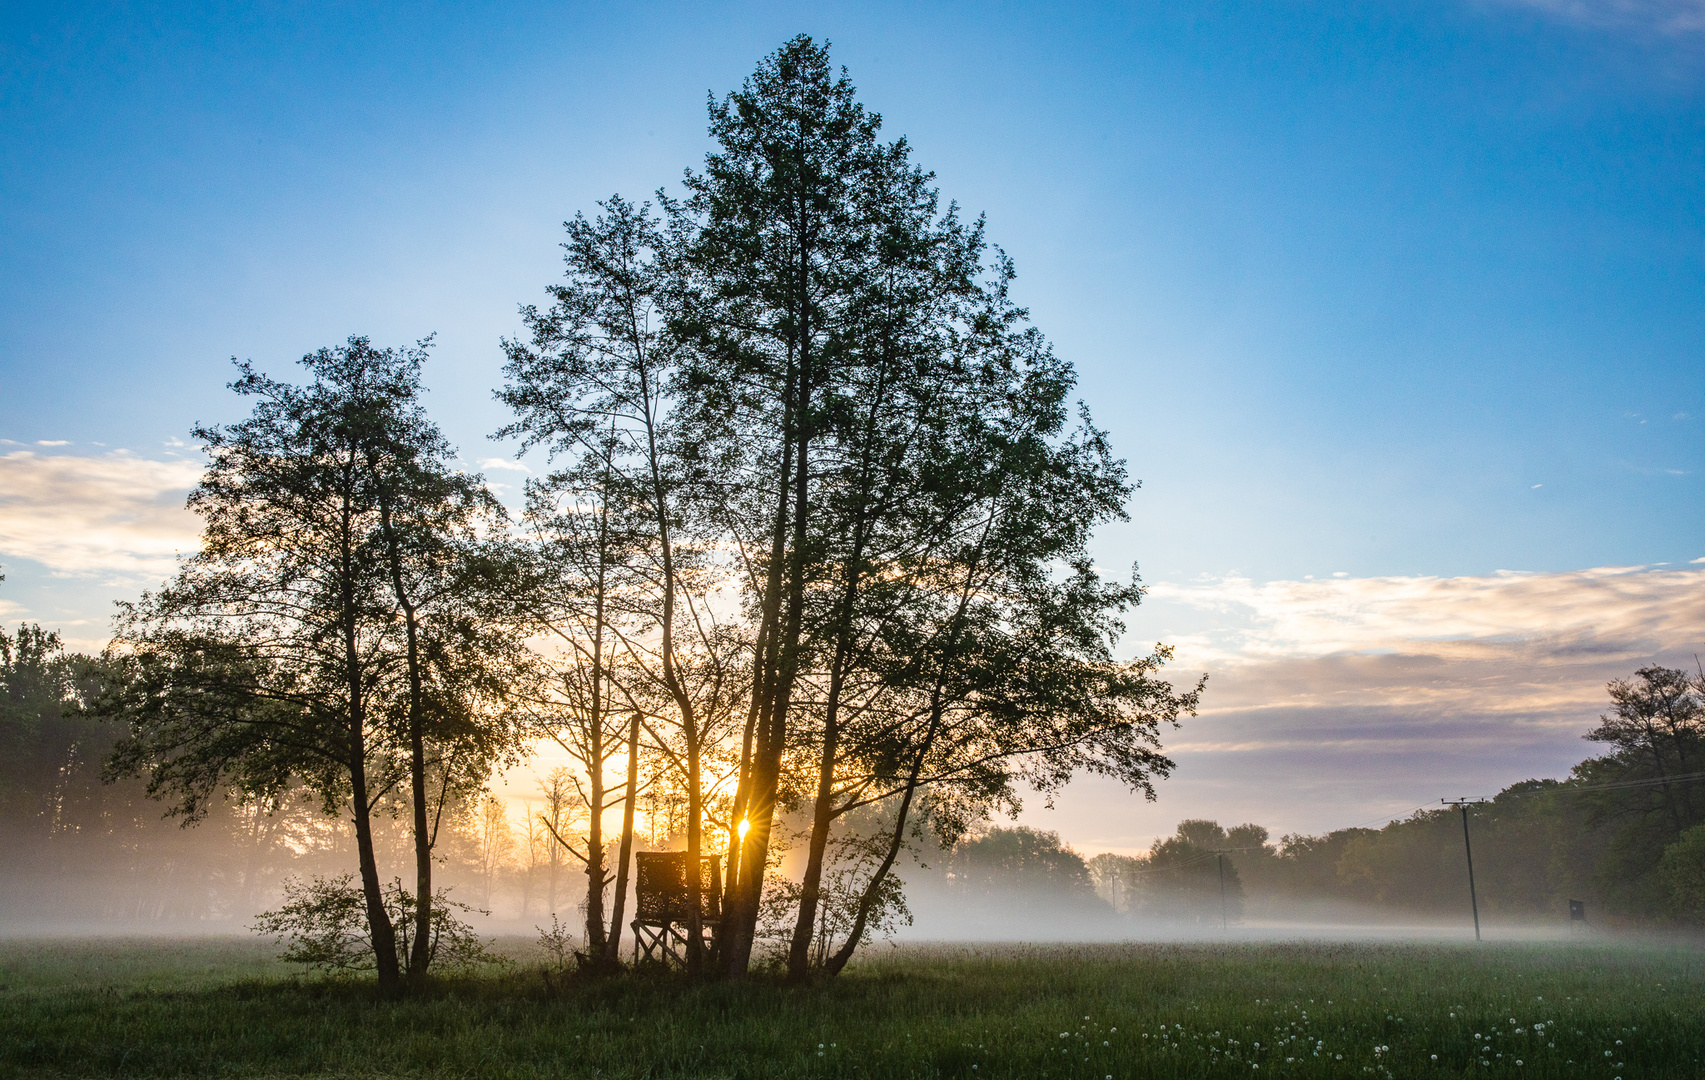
(822, 817)
(695, 855)
(420, 951)
(382, 933)
(614, 947)
(823, 809)
(378, 919)
(759, 768)
(595, 879)
(868, 899)
(766, 772)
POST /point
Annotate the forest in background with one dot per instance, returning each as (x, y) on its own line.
(1624, 833)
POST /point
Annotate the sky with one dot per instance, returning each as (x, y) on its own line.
(1394, 308)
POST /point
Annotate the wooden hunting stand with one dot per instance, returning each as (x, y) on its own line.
(660, 895)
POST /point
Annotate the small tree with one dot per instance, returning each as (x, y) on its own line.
(556, 792)
(494, 838)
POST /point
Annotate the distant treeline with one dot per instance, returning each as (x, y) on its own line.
(79, 851)
(1625, 832)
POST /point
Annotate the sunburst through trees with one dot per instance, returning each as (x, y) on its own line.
(812, 556)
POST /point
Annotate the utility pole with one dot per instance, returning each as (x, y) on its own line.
(1468, 850)
(1223, 924)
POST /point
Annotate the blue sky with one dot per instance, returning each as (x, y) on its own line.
(1388, 290)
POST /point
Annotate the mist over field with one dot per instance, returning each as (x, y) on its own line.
(997, 542)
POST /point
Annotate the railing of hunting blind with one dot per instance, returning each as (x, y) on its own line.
(662, 906)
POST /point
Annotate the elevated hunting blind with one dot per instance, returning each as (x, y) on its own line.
(661, 907)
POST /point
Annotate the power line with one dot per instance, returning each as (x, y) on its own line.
(1567, 787)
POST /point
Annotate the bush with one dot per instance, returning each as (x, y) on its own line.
(323, 924)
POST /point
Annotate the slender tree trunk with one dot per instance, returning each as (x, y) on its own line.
(767, 774)
(742, 792)
(867, 900)
(625, 855)
(595, 878)
(379, 926)
(766, 766)
(823, 808)
(420, 951)
(420, 955)
(378, 920)
(822, 817)
(695, 857)
(897, 839)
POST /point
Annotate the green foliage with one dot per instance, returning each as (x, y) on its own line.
(1603, 835)
(323, 924)
(49, 750)
(1023, 869)
(1184, 877)
(1683, 871)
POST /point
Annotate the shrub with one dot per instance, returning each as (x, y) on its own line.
(323, 924)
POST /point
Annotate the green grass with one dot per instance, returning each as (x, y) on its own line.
(141, 1008)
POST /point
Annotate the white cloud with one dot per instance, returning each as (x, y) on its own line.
(1631, 608)
(1662, 16)
(503, 464)
(116, 516)
(1397, 663)
(53, 442)
(1335, 700)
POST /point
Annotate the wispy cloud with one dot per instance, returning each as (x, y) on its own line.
(116, 515)
(1336, 700)
(1662, 16)
(1623, 608)
(1397, 660)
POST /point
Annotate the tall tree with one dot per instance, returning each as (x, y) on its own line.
(458, 658)
(570, 593)
(593, 386)
(808, 387)
(877, 428)
(325, 633)
(787, 225)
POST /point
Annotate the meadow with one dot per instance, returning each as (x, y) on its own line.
(224, 1007)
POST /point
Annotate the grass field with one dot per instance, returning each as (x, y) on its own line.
(144, 1008)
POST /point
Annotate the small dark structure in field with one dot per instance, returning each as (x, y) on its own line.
(660, 922)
